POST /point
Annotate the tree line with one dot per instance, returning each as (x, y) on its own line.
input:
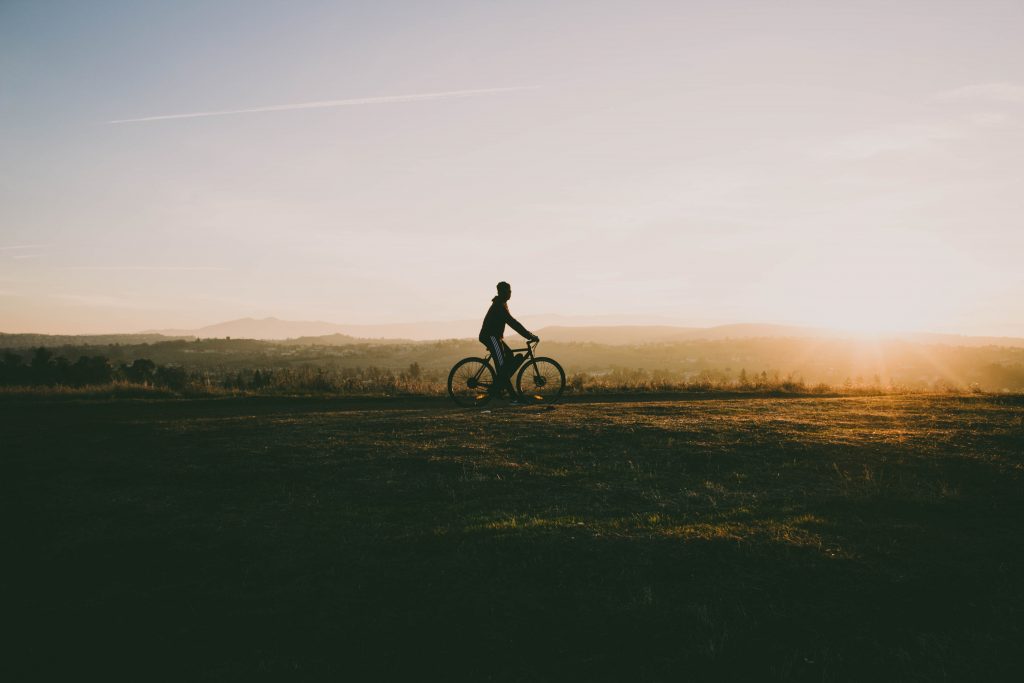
(45, 369)
(41, 367)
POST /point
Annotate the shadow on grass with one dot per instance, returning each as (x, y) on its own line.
(523, 605)
(587, 547)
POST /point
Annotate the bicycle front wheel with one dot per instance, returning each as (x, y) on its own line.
(541, 380)
(470, 382)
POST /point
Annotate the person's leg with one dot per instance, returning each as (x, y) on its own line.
(510, 368)
(501, 358)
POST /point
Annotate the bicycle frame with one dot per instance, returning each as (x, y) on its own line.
(530, 345)
(472, 380)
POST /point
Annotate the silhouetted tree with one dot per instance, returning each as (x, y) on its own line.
(172, 377)
(43, 366)
(13, 369)
(90, 370)
(42, 358)
(141, 371)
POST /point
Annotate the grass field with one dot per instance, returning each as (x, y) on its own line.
(806, 539)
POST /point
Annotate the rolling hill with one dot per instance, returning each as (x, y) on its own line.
(332, 334)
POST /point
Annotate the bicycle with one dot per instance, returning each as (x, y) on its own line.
(540, 379)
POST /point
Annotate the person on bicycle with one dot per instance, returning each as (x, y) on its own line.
(492, 335)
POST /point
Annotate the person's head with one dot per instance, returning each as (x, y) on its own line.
(504, 291)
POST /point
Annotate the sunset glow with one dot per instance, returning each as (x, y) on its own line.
(823, 164)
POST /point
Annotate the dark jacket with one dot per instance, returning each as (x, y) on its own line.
(496, 319)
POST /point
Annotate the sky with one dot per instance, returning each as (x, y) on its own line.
(858, 165)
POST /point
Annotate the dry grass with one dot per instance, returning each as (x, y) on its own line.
(750, 538)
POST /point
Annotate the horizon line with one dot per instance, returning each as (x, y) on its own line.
(808, 328)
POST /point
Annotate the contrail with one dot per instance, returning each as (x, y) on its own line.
(331, 103)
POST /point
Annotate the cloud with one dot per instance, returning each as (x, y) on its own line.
(892, 138)
(21, 252)
(991, 92)
(330, 103)
(912, 136)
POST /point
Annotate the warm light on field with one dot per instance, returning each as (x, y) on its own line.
(605, 541)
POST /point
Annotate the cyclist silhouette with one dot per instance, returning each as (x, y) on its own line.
(492, 335)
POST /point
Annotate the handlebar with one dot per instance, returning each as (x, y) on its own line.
(529, 343)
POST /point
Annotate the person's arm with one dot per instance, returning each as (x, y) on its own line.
(518, 326)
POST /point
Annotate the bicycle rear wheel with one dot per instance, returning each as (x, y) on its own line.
(470, 382)
(541, 380)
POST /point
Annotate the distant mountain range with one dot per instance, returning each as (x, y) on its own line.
(275, 328)
(253, 328)
(333, 333)
(550, 328)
